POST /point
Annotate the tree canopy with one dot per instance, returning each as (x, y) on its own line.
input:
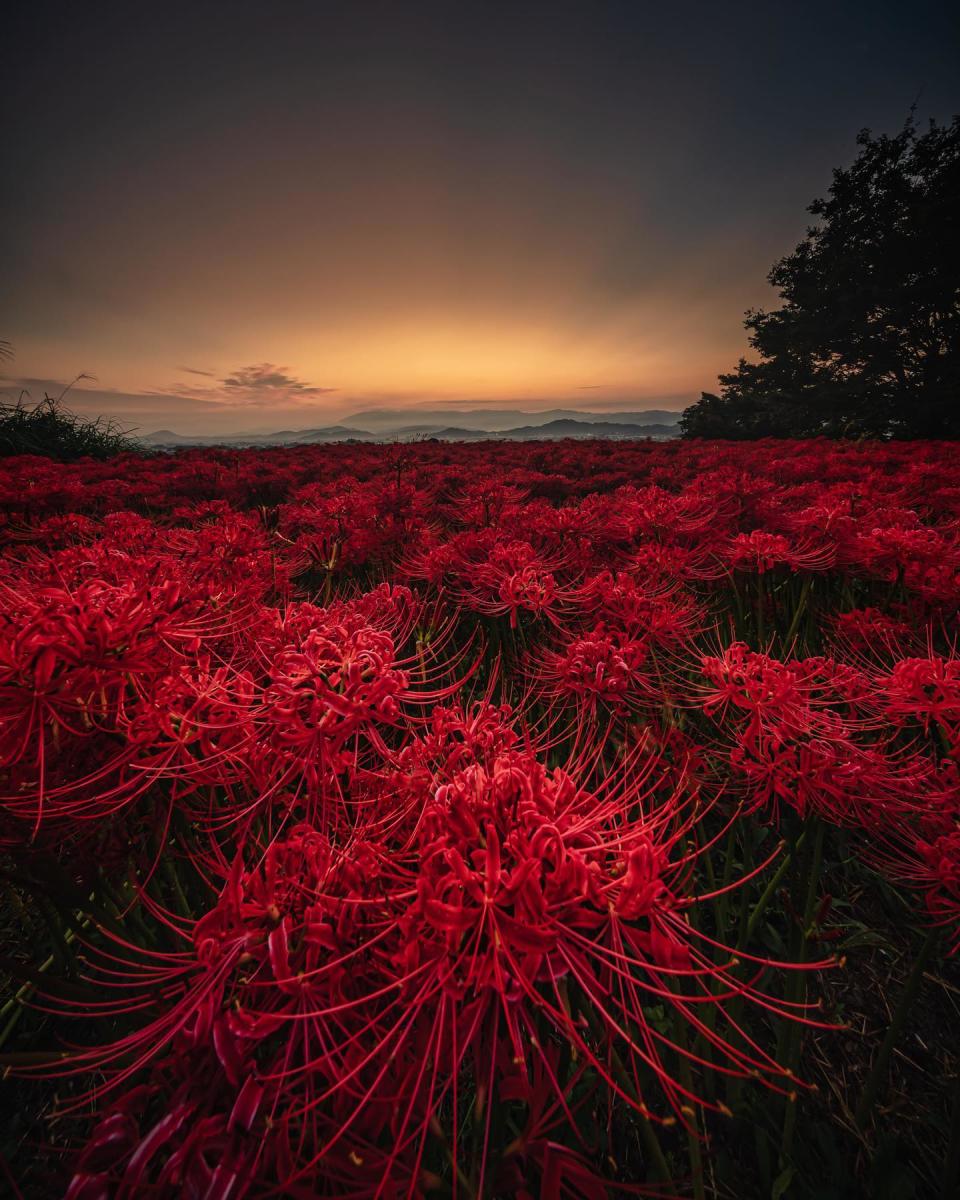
(867, 339)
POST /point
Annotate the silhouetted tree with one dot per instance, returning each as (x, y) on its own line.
(867, 341)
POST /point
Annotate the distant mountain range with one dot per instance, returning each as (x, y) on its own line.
(165, 438)
(490, 420)
(565, 428)
(379, 425)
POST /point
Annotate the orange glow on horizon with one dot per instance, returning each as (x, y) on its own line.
(638, 360)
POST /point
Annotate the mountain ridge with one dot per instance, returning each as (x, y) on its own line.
(640, 424)
(378, 420)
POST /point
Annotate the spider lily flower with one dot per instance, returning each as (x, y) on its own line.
(603, 669)
(761, 551)
(393, 799)
(926, 690)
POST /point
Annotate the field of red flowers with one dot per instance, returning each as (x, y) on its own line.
(561, 820)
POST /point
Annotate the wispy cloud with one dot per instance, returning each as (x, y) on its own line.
(265, 381)
(259, 385)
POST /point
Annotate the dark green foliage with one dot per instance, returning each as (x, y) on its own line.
(51, 430)
(867, 341)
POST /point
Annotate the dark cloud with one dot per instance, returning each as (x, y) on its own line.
(197, 371)
(267, 381)
(260, 385)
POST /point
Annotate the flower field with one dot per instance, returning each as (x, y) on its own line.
(513, 820)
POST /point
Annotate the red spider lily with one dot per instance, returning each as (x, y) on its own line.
(603, 668)
(869, 629)
(334, 975)
(940, 880)
(661, 613)
(760, 551)
(923, 853)
(511, 578)
(302, 946)
(484, 503)
(340, 682)
(529, 886)
(376, 888)
(926, 690)
(325, 689)
(799, 738)
(70, 665)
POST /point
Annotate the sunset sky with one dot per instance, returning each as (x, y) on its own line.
(250, 216)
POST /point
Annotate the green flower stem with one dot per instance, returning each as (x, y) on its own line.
(798, 991)
(767, 894)
(799, 610)
(881, 1064)
(661, 1169)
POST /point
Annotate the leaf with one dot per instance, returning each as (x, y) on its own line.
(867, 937)
(781, 1183)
